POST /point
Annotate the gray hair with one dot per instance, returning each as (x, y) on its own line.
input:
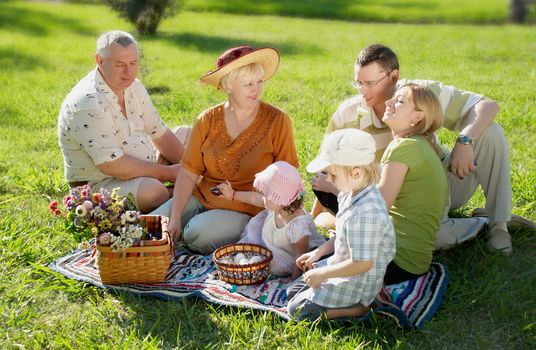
(115, 36)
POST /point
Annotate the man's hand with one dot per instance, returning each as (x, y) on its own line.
(462, 161)
(171, 172)
(320, 183)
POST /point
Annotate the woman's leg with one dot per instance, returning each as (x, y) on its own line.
(213, 228)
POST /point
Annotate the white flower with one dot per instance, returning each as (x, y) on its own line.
(131, 215)
(81, 211)
(123, 219)
(104, 238)
(88, 205)
(136, 231)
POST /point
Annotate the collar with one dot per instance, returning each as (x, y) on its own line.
(367, 114)
(355, 199)
(102, 87)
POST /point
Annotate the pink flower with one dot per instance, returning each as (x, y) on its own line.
(66, 201)
(53, 206)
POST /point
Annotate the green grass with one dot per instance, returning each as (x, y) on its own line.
(406, 11)
(45, 48)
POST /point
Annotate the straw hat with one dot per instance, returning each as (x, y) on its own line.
(237, 57)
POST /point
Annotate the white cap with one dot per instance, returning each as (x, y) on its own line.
(350, 147)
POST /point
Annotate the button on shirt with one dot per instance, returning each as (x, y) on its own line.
(364, 232)
(92, 130)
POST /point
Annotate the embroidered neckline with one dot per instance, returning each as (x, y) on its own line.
(229, 152)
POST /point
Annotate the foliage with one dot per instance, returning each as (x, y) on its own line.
(144, 14)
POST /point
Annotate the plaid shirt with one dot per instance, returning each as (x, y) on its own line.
(364, 232)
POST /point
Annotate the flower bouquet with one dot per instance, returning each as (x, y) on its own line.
(130, 247)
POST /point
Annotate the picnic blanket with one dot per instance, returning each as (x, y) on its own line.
(410, 303)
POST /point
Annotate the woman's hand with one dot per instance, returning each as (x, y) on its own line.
(305, 261)
(320, 183)
(174, 228)
(226, 190)
(314, 278)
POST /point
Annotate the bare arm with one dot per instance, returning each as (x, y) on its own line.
(249, 197)
(186, 181)
(480, 117)
(305, 261)
(170, 147)
(127, 167)
(391, 180)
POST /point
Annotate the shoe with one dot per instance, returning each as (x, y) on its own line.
(500, 240)
(516, 222)
(325, 220)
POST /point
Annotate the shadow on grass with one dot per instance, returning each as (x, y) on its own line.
(38, 23)
(217, 44)
(14, 60)
(324, 9)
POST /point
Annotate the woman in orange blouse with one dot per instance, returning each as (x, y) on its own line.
(231, 142)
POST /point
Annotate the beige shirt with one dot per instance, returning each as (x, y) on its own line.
(92, 130)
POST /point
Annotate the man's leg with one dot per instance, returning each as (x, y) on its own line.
(493, 174)
(148, 193)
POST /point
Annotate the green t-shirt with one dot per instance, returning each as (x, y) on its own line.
(417, 210)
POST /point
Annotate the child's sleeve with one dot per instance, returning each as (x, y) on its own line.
(363, 235)
(300, 227)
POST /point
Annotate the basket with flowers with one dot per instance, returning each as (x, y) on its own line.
(130, 247)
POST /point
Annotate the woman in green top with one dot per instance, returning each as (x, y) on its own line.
(413, 181)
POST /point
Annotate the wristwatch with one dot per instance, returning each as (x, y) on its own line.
(464, 139)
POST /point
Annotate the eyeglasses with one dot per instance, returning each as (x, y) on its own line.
(368, 84)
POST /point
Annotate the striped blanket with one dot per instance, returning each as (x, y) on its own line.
(411, 303)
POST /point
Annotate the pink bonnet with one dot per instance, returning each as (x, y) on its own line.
(280, 183)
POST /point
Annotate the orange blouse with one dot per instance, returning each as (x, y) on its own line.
(212, 153)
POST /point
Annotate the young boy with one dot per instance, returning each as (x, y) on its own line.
(346, 283)
(480, 155)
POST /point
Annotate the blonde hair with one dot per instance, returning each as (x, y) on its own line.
(426, 101)
(250, 71)
(370, 173)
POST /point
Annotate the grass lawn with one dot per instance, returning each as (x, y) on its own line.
(429, 11)
(45, 48)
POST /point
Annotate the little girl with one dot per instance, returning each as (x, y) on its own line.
(284, 227)
(346, 283)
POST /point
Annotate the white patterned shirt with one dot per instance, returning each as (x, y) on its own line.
(364, 233)
(92, 130)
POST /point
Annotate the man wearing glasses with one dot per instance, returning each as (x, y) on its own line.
(479, 156)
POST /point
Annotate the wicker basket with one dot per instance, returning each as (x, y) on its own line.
(146, 263)
(243, 274)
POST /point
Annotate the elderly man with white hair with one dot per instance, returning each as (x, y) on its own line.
(110, 133)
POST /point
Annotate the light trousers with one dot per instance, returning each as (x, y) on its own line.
(204, 230)
(493, 175)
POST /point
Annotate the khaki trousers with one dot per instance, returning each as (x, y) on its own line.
(493, 175)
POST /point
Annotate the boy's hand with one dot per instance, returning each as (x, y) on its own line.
(314, 278)
(226, 190)
(305, 261)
